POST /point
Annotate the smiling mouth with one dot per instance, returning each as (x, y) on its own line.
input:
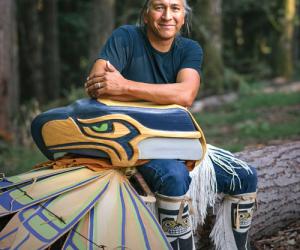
(166, 26)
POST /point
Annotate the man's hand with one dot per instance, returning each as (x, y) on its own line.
(110, 82)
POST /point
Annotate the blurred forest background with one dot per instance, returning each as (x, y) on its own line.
(48, 46)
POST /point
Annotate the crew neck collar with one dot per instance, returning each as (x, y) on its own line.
(144, 32)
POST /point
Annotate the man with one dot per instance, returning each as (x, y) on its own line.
(153, 62)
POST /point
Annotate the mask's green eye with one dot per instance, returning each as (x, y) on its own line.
(103, 127)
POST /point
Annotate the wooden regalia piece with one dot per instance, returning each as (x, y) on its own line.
(85, 195)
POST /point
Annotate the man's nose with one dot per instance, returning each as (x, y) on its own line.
(167, 14)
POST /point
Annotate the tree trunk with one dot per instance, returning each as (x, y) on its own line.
(285, 51)
(210, 31)
(51, 60)
(297, 34)
(101, 25)
(9, 82)
(31, 51)
(278, 198)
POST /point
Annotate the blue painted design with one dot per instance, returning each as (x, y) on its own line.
(123, 233)
(67, 226)
(6, 199)
(78, 144)
(39, 178)
(70, 238)
(23, 241)
(5, 183)
(152, 216)
(36, 207)
(86, 152)
(139, 219)
(123, 141)
(8, 234)
(91, 228)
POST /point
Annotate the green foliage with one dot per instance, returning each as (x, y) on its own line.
(249, 45)
(70, 96)
(74, 94)
(257, 101)
(232, 79)
(14, 160)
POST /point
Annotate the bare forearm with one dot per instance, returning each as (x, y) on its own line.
(121, 98)
(183, 92)
(169, 93)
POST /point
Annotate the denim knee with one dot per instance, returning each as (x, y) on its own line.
(244, 182)
(248, 181)
(167, 177)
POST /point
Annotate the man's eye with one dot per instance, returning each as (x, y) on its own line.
(102, 127)
(159, 8)
(176, 9)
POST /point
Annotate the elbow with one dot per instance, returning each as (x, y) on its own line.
(187, 100)
(188, 103)
(188, 94)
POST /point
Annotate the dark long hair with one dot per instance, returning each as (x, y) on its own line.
(186, 29)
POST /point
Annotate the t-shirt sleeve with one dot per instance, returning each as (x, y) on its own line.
(192, 57)
(117, 49)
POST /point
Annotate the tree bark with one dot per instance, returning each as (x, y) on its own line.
(285, 51)
(278, 197)
(9, 82)
(210, 31)
(51, 60)
(101, 25)
(31, 51)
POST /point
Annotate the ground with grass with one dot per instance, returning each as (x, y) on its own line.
(253, 120)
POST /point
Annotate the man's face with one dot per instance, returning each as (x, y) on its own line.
(165, 18)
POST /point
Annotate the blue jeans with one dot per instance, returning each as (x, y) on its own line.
(171, 178)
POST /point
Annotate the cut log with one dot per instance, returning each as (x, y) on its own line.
(278, 198)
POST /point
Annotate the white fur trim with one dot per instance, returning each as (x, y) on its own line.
(222, 234)
(203, 188)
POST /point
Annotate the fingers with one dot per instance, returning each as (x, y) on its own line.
(100, 77)
(95, 86)
(96, 82)
(100, 92)
(109, 67)
(96, 90)
(97, 93)
(93, 80)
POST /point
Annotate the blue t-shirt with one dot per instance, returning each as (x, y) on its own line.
(130, 51)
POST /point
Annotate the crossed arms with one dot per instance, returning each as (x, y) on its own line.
(105, 81)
